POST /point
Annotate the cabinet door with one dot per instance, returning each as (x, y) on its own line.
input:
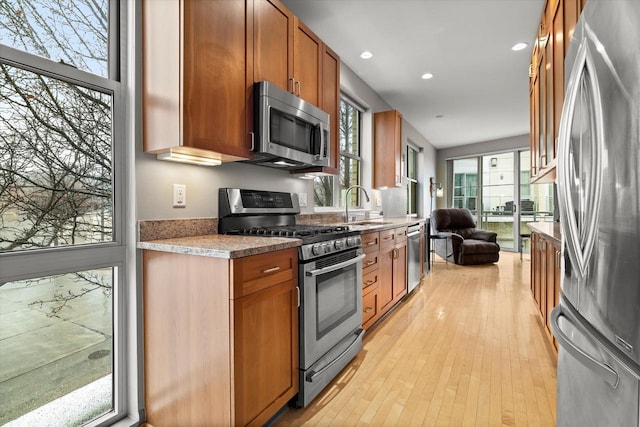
(400, 271)
(370, 306)
(542, 290)
(536, 271)
(192, 99)
(535, 125)
(307, 63)
(558, 72)
(542, 109)
(550, 299)
(387, 150)
(215, 90)
(385, 269)
(265, 352)
(273, 26)
(331, 99)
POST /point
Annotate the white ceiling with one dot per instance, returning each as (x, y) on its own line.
(481, 87)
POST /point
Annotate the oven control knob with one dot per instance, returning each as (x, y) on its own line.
(338, 244)
(351, 242)
(315, 249)
(327, 248)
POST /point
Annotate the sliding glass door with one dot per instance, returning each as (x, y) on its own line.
(499, 199)
(497, 191)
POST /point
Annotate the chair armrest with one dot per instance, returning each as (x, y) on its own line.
(488, 236)
(456, 238)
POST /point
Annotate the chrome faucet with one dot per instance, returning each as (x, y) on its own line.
(346, 200)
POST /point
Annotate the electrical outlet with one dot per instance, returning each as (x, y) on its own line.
(179, 196)
(302, 200)
(378, 202)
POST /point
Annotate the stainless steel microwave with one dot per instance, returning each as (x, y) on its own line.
(290, 133)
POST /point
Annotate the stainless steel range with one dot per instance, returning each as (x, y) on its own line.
(329, 277)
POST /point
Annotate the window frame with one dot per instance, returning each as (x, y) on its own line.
(412, 180)
(337, 202)
(41, 262)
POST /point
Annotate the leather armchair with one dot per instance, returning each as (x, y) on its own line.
(465, 245)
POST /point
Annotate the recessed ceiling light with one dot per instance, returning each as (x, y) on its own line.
(439, 116)
(427, 76)
(519, 46)
(366, 54)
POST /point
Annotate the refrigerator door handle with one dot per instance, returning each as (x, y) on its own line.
(603, 370)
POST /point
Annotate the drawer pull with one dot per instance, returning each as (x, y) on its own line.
(388, 237)
(370, 282)
(271, 270)
(367, 309)
(368, 263)
(371, 243)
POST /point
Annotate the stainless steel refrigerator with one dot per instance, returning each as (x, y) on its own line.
(597, 323)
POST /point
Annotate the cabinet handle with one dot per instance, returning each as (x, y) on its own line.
(388, 237)
(369, 283)
(371, 243)
(292, 80)
(367, 309)
(298, 294)
(368, 263)
(396, 253)
(271, 270)
(299, 86)
(253, 141)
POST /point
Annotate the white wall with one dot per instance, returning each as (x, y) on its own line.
(155, 178)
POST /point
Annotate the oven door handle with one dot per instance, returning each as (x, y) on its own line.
(313, 374)
(336, 266)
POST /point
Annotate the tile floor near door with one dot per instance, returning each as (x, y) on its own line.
(465, 349)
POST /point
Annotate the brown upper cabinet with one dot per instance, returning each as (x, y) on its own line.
(546, 92)
(200, 60)
(387, 149)
(195, 78)
(286, 52)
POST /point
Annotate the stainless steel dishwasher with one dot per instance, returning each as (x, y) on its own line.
(413, 256)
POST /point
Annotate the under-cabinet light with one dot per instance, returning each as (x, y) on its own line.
(189, 158)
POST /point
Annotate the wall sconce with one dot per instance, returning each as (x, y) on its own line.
(435, 189)
(494, 162)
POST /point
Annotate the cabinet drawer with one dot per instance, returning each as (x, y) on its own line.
(370, 307)
(370, 242)
(253, 273)
(387, 236)
(370, 279)
(400, 234)
(370, 262)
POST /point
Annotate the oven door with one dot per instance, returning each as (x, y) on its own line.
(331, 306)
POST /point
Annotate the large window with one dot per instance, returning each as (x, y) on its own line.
(412, 181)
(329, 191)
(62, 248)
(497, 191)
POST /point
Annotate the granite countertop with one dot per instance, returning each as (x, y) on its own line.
(220, 245)
(164, 236)
(549, 229)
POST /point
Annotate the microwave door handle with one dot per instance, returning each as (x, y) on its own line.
(323, 142)
(336, 266)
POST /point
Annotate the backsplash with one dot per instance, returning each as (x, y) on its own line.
(175, 228)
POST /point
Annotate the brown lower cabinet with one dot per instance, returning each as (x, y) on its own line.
(220, 337)
(384, 272)
(546, 257)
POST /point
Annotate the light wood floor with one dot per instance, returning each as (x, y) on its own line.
(465, 349)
